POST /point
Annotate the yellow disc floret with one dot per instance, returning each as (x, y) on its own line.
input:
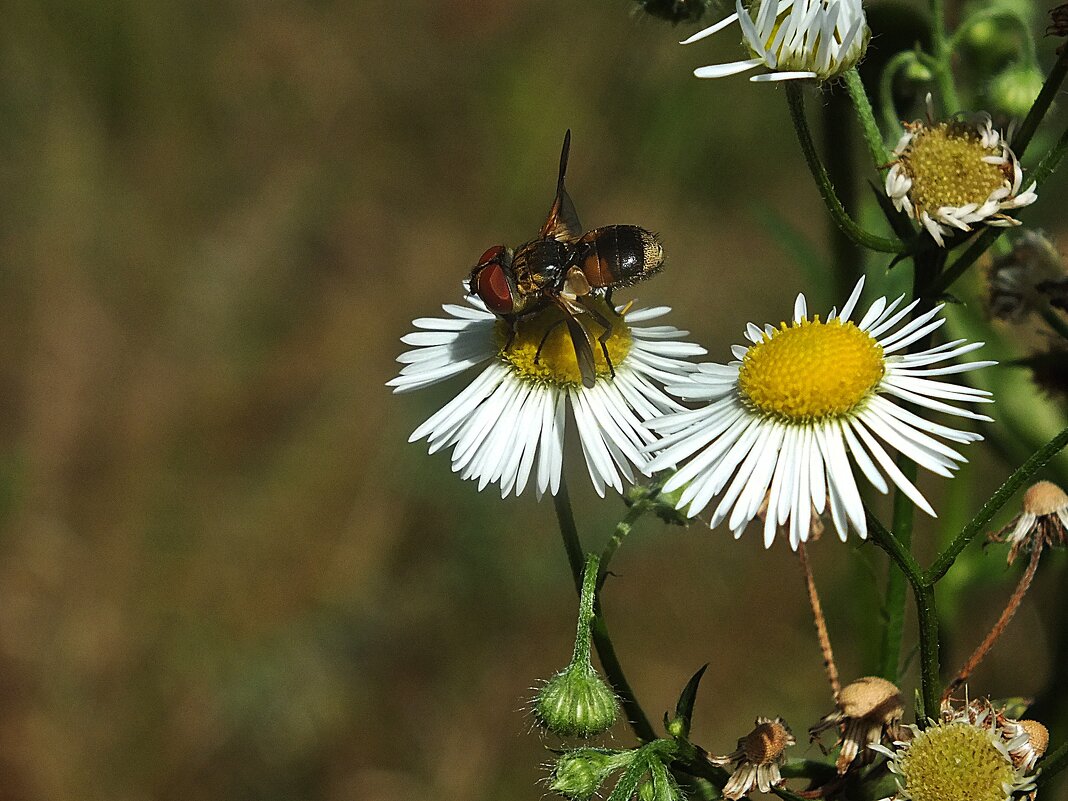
(955, 762)
(811, 370)
(946, 165)
(542, 349)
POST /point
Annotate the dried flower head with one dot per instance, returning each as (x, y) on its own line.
(757, 759)
(953, 174)
(866, 710)
(1026, 754)
(1043, 521)
(1020, 281)
(964, 756)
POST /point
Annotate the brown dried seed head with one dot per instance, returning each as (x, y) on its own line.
(1044, 498)
(767, 742)
(1037, 734)
(872, 697)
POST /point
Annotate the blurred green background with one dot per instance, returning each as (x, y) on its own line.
(223, 572)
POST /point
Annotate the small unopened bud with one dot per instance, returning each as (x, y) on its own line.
(989, 43)
(577, 702)
(1014, 90)
(579, 774)
(918, 72)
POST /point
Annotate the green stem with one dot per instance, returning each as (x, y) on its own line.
(1053, 763)
(886, 88)
(1041, 105)
(823, 182)
(896, 581)
(925, 610)
(572, 544)
(639, 721)
(1023, 474)
(623, 528)
(880, 156)
(587, 598)
(943, 71)
(1051, 160)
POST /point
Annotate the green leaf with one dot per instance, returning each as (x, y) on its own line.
(680, 726)
(627, 785)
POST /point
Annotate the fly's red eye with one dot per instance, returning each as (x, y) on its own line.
(491, 285)
(492, 254)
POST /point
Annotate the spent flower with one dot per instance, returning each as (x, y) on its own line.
(867, 710)
(1043, 521)
(757, 759)
(794, 39)
(953, 174)
(802, 401)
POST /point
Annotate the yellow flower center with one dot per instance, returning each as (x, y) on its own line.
(955, 762)
(811, 370)
(543, 351)
(946, 165)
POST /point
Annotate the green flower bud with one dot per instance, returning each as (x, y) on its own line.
(1014, 90)
(579, 774)
(577, 702)
(990, 43)
(918, 72)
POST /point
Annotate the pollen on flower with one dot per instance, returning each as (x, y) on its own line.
(947, 167)
(542, 350)
(811, 370)
(955, 762)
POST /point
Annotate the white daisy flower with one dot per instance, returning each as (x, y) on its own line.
(794, 39)
(951, 175)
(803, 401)
(967, 755)
(513, 413)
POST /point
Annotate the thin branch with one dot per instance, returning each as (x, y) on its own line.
(823, 182)
(1010, 609)
(820, 621)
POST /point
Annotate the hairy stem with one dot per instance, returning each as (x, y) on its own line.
(862, 105)
(896, 581)
(823, 182)
(613, 670)
(925, 610)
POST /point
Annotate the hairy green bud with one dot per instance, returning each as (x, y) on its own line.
(577, 702)
(579, 774)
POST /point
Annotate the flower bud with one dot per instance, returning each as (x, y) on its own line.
(579, 774)
(577, 702)
(1013, 91)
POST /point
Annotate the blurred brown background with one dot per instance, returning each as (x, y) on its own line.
(223, 572)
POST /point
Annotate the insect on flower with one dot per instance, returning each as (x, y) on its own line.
(564, 267)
